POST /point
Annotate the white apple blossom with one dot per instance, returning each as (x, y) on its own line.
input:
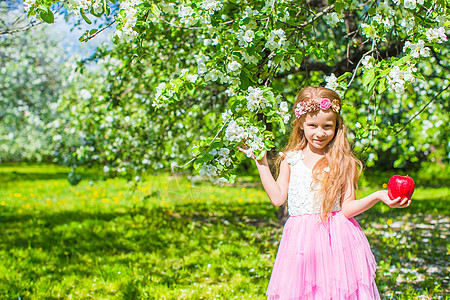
(234, 132)
(284, 107)
(85, 94)
(220, 181)
(411, 4)
(128, 20)
(186, 15)
(209, 171)
(213, 75)
(331, 81)
(436, 35)
(276, 39)
(225, 115)
(248, 13)
(332, 19)
(249, 59)
(192, 77)
(201, 64)
(211, 6)
(397, 78)
(367, 62)
(249, 35)
(233, 66)
(417, 49)
(255, 98)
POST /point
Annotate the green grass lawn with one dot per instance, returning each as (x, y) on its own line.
(172, 239)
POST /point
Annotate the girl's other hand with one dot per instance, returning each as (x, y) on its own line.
(398, 202)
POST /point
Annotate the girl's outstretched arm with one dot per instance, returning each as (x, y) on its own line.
(276, 190)
(352, 207)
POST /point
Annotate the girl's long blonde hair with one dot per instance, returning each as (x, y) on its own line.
(344, 167)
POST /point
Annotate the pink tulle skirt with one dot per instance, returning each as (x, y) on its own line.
(323, 260)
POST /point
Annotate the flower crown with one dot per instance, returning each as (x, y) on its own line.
(313, 105)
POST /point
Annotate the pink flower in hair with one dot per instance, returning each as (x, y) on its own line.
(300, 109)
(325, 104)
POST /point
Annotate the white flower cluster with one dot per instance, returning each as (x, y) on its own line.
(223, 157)
(75, 5)
(417, 49)
(201, 64)
(245, 35)
(276, 39)
(160, 97)
(208, 170)
(367, 62)
(332, 83)
(211, 172)
(398, 78)
(190, 77)
(333, 18)
(128, 19)
(249, 59)
(186, 13)
(284, 109)
(214, 75)
(234, 67)
(436, 35)
(236, 132)
(383, 20)
(211, 6)
(412, 4)
(256, 99)
(368, 30)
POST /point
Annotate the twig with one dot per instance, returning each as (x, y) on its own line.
(95, 34)
(32, 24)
(212, 141)
(359, 62)
(423, 108)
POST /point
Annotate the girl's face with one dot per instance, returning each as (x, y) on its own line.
(319, 128)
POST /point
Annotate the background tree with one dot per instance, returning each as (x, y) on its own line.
(194, 79)
(34, 72)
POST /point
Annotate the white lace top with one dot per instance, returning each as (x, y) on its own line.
(301, 198)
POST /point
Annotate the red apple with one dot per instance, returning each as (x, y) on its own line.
(400, 186)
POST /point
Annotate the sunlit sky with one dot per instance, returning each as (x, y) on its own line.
(69, 37)
(63, 31)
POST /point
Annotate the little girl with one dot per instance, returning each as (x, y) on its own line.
(323, 252)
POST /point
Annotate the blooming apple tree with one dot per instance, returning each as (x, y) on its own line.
(33, 73)
(188, 81)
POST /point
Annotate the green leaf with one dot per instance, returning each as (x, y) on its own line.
(382, 85)
(343, 76)
(368, 76)
(155, 10)
(338, 6)
(83, 15)
(98, 15)
(245, 81)
(47, 16)
(261, 155)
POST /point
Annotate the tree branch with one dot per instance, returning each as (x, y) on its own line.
(423, 108)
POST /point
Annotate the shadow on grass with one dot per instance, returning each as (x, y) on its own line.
(89, 244)
(72, 242)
